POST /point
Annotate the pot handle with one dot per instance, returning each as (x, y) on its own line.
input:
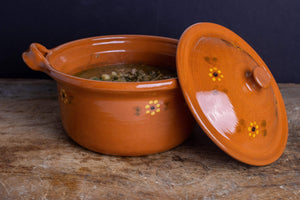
(34, 57)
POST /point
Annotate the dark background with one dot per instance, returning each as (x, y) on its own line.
(271, 27)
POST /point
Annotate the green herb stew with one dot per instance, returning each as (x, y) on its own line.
(127, 73)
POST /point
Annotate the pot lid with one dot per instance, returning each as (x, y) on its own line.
(232, 94)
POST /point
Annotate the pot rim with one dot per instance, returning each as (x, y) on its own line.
(166, 84)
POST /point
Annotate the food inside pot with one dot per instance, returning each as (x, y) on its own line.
(127, 73)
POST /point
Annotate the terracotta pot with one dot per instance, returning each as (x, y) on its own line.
(111, 117)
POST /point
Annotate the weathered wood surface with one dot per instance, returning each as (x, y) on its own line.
(39, 161)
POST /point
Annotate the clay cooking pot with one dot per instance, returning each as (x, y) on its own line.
(118, 118)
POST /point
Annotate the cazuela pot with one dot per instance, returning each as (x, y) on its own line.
(117, 118)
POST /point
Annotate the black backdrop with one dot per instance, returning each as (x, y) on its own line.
(271, 27)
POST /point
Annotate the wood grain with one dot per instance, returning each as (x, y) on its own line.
(39, 161)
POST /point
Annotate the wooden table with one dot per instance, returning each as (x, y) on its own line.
(39, 161)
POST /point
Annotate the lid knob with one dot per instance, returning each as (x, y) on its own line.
(261, 77)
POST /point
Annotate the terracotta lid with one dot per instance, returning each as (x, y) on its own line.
(232, 94)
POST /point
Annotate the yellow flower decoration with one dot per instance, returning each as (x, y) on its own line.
(253, 129)
(152, 107)
(215, 74)
(64, 97)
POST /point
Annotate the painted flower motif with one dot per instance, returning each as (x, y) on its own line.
(64, 97)
(215, 74)
(152, 107)
(253, 129)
